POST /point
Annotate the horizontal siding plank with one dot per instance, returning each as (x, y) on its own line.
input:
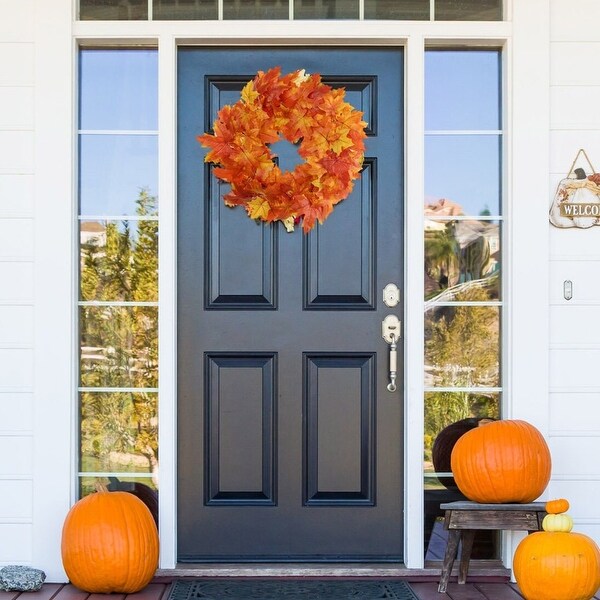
(16, 455)
(16, 411)
(16, 22)
(575, 107)
(16, 151)
(16, 326)
(564, 146)
(575, 243)
(574, 63)
(16, 369)
(572, 20)
(16, 238)
(17, 282)
(570, 325)
(16, 546)
(584, 279)
(574, 367)
(579, 494)
(16, 107)
(16, 500)
(17, 193)
(574, 412)
(17, 60)
(574, 457)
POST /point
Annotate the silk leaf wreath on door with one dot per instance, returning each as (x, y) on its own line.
(301, 109)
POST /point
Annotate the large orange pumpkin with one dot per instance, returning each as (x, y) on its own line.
(553, 565)
(110, 543)
(501, 461)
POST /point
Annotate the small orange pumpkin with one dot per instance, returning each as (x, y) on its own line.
(110, 543)
(556, 565)
(555, 507)
(501, 461)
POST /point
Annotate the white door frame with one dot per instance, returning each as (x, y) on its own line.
(525, 40)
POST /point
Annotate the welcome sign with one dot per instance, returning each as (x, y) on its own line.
(577, 199)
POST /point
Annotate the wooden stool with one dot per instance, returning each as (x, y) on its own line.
(462, 519)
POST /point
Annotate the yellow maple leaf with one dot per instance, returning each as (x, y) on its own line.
(258, 208)
(249, 94)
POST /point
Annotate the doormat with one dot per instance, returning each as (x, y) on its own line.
(289, 590)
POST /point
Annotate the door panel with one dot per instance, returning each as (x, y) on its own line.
(289, 445)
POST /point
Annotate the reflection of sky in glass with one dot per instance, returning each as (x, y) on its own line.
(462, 94)
(462, 89)
(118, 89)
(464, 169)
(113, 169)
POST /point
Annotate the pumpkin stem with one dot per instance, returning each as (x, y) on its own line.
(100, 486)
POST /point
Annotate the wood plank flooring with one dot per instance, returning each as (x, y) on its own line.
(159, 591)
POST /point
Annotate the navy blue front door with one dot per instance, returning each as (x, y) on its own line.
(290, 447)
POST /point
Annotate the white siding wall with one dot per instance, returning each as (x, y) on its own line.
(16, 279)
(574, 403)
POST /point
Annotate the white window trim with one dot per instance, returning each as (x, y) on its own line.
(525, 39)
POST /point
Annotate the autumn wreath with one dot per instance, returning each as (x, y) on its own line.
(301, 109)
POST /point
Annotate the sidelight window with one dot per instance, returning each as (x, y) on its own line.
(463, 276)
(118, 268)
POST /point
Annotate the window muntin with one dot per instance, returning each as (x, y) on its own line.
(118, 267)
(462, 266)
(425, 10)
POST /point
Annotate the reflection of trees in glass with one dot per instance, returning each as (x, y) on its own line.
(462, 342)
(462, 350)
(445, 408)
(119, 344)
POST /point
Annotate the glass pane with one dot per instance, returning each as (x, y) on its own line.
(113, 10)
(325, 9)
(119, 432)
(462, 343)
(462, 174)
(118, 89)
(119, 346)
(184, 10)
(88, 485)
(468, 10)
(461, 255)
(448, 415)
(113, 172)
(462, 89)
(256, 9)
(409, 10)
(119, 260)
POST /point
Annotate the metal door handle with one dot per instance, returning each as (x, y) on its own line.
(391, 386)
(390, 331)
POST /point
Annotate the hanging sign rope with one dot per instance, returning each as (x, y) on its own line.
(302, 110)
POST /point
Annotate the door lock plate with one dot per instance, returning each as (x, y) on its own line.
(391, 295)
(391, 329)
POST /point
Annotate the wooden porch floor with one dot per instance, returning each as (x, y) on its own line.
(425, 590)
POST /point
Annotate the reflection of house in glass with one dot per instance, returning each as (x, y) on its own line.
(460, 253)
(92, 232)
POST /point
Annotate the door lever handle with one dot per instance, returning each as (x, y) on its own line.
(391, 386)
(390, 331)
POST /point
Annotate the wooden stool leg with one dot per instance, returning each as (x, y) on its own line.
(451, 549)
(465, 556)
